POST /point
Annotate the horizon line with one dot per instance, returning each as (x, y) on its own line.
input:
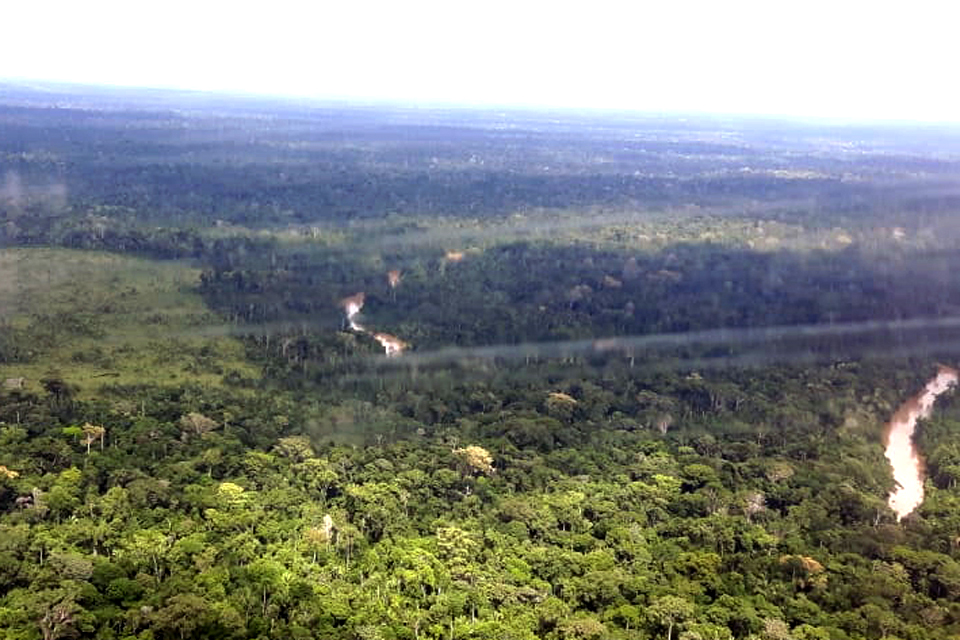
(433, 103)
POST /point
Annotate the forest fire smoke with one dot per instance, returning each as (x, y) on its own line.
(393, 278)
(352, 306)
(392, 345)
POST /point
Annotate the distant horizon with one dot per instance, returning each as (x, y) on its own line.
(438, 103)
(852, 61)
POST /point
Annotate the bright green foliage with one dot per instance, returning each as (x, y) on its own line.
(624, 533)
(207, 451)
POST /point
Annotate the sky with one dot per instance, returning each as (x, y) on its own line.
(813, 58)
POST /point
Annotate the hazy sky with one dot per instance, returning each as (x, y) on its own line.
(815, 58)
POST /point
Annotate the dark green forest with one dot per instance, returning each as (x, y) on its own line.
(648, 366)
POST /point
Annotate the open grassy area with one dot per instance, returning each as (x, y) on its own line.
(98, 319)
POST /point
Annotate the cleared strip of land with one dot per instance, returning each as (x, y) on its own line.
(97, 319)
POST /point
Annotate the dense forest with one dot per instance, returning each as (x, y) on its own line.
(646, 367)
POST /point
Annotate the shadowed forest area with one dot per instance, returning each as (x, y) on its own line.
(644, 367)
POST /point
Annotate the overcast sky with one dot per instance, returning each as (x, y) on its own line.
(809, 58)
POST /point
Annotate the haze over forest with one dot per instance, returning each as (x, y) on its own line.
(286, 368)
(859, 60)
